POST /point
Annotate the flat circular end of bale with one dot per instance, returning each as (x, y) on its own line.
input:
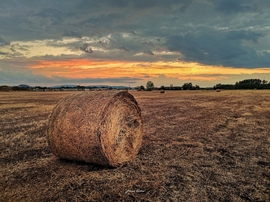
(103, 128)
(121, 129)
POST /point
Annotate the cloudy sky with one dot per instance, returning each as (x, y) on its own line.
(128, 42)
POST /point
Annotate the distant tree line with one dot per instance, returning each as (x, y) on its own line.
(13, 88)
(245, 84)
(60, 88)
(150, 86)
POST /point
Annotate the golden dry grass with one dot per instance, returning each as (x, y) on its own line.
(197, 146)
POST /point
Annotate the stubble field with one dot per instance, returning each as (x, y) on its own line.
(197, 146)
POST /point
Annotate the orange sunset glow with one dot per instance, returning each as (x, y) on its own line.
(81, 68)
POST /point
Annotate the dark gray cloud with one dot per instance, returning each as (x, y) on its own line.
(3, 42)
(232, 6)
(123, 48)
(138, 4)
(3, 53)
(50, 18)
(86, 48)
(148, 52)
(148, 43)
(72, 34)
(244, 34)
(218, 48)
(218, 32)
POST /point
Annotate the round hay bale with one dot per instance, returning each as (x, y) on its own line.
(162, 91)
(102, 128)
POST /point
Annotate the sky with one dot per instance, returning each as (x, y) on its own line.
(130, 42)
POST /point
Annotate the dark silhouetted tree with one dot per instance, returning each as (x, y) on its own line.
(187, 86)
(149, 85)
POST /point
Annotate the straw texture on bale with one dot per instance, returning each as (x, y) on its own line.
(102, 128)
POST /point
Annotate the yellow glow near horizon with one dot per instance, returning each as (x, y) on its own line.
(82, 68)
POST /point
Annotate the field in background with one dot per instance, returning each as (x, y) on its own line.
(197, 146)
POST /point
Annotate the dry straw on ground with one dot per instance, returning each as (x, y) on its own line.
(103, 128)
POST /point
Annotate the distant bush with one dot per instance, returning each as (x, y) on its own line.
(5, 88)
(189, 86)
(149, 85)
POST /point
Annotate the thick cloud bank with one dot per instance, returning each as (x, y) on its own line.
(228, 33)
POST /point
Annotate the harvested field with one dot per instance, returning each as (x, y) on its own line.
(197, 146)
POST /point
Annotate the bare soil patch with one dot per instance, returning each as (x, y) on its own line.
(197, 146)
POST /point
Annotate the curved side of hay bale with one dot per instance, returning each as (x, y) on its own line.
(97, 127)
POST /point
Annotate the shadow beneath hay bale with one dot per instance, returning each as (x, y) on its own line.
(90, 166)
